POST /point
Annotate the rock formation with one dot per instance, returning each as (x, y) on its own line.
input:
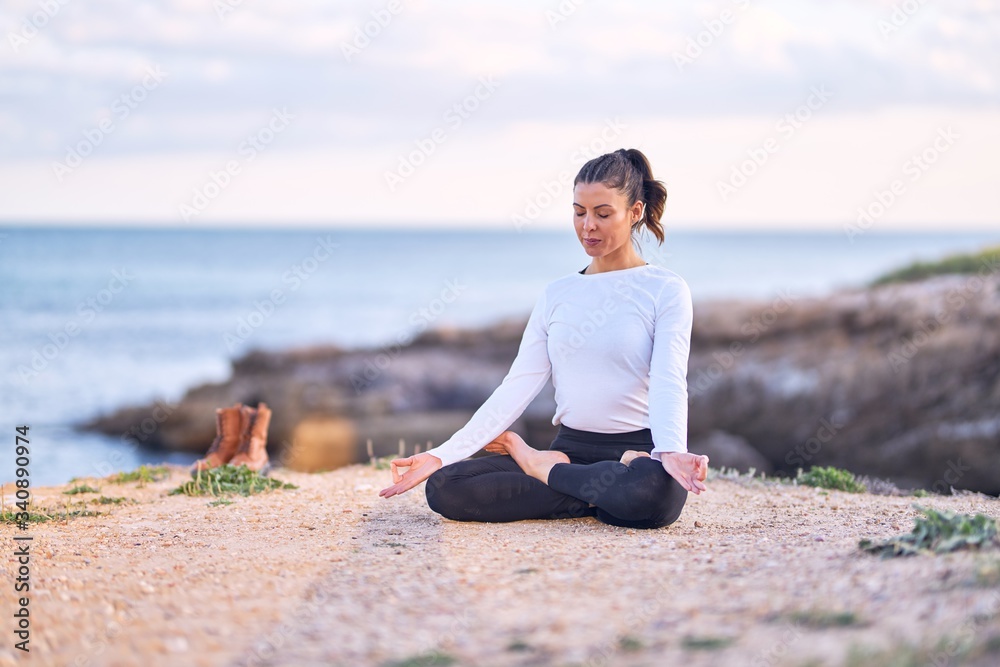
(900, 381)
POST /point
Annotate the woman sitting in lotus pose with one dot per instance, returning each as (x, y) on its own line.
(615, 339)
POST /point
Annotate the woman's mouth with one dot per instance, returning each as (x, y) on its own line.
(591, 242)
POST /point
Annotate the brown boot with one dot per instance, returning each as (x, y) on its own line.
(226, 443)
(253, 444)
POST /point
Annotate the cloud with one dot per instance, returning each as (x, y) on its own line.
(559, 65)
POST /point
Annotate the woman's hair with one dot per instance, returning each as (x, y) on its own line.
(628, 170)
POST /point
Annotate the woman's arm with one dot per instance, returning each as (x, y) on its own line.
(527, 375)
(668, 395)
(668, 392)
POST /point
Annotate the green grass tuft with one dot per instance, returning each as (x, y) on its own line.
(105, 500)
(434, 659)
(730, 473)
(946, 651)
(818, 619)
(630, 643)
(519, 646)
(705, 643)
(81, 488)
(44, 514)
(382, 462)
(987, 259)
(229, 480)
(831, 478)
(988, 574)
(938, 532)
(143, 474)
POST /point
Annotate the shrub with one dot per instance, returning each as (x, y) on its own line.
(831, 478)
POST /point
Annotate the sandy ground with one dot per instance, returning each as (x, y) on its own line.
(331, 574)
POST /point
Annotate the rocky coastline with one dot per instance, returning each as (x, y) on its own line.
(898, 381)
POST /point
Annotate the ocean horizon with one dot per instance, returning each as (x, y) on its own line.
(103, 317)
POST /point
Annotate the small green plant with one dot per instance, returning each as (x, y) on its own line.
(937, 532)
(705, 643)
(81, 488)
(434, 659)
(220, 501)
(988, 574)
(988, 258)
(878, 486)
(382, 462)
(920, 493)
(9, 515)
(819, 619)
(959, 649)
(385, 462)
(831, 478)
(229, 480)
(43, 514)
(731, 473)
(519, 646)
(630, 643)
(143, 474)
(104, 500)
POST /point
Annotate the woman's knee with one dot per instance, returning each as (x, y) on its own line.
(658, 498)
(670, 498)
(670, 509)
(438, 494)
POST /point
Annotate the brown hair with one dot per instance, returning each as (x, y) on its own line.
(628, 170)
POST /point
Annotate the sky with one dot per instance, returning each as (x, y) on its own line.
(778, 114)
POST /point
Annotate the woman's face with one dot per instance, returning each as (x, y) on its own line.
(602, 218)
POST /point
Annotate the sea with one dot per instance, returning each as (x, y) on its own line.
(95, 319)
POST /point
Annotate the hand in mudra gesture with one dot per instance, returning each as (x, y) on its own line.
(421, 466)
(690, 470)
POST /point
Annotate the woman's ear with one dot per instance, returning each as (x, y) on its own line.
(638, 211)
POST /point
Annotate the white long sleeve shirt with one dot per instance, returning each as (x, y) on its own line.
(616, 345)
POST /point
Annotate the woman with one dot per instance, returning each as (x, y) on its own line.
(615, 339)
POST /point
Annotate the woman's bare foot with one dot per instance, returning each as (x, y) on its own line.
(534, 462)
(498, 446)
(631, 455)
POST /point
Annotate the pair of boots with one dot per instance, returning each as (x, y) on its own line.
(240, 439)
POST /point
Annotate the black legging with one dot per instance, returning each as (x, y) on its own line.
(494, 488)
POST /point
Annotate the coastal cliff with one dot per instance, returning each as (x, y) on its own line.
(898, 381)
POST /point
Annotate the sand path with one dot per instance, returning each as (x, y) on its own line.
(331, 574)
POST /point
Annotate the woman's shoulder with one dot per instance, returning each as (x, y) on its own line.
(673, 289)
(668, 283)
(666, 275)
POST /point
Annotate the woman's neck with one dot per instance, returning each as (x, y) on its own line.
(610, 263)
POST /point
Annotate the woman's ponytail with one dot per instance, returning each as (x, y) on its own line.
(628, 170)
(654, 193)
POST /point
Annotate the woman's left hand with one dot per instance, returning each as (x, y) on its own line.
(690, 470)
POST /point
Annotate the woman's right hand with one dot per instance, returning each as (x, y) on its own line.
(421, 466)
